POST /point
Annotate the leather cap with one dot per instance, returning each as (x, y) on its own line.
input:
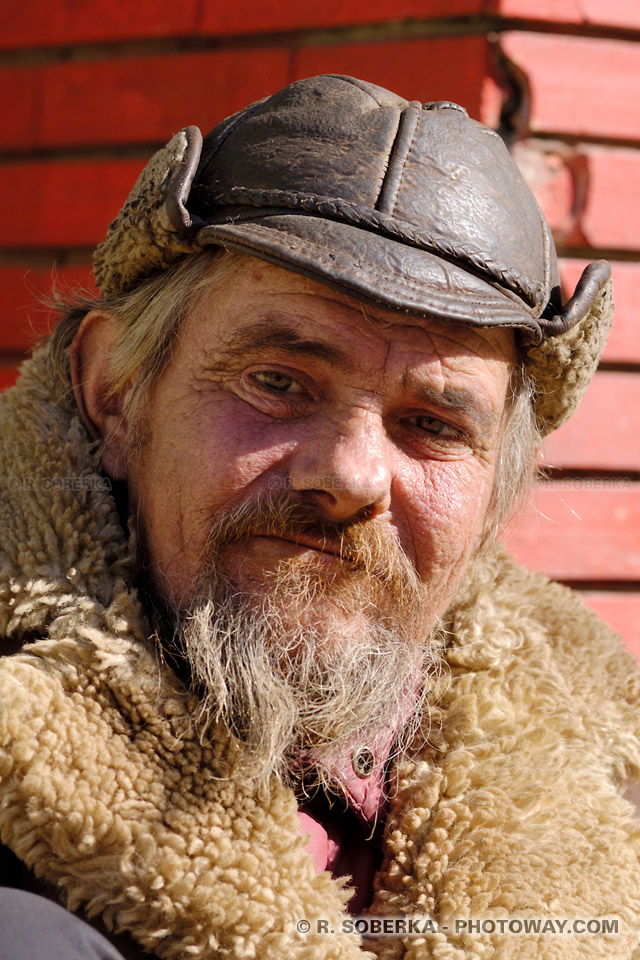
(414, 207)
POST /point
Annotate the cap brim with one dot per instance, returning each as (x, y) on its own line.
(374, 268)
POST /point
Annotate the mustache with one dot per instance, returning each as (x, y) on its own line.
(369, 547)
(285, 513)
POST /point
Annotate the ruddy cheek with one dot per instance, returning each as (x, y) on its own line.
(445, 519)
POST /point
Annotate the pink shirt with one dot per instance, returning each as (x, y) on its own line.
(342, 841)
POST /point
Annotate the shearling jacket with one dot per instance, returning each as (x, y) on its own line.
(515, 809)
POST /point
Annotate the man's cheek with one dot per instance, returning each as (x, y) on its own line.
(449, 518)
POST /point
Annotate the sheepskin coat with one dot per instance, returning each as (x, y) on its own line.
(515, 809)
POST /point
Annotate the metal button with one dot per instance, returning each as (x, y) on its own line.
(363, 761)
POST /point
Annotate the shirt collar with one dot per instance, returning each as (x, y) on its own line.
(359, 772)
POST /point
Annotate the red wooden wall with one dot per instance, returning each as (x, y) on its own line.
(91, 87)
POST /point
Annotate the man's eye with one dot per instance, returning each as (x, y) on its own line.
(280, 382)
(434, 426)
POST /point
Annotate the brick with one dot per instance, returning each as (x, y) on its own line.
(611, 214)
(603, 433)
(20, 92)
(247, 16)
(40, 23)
(22, 289)
(589, 195)
(61, 204)
(556, 173)
(451, 68)
(611, 13)
(621, 611)
(605, 103)
(144, 99)
(623, 345)
(581, 530)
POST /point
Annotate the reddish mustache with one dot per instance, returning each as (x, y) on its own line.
(289, 519)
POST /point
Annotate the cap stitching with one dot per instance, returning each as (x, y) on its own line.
(211, 147)
(400, 151)
(338, 208)
(546, 253)
(389, 162)
(410, 287)
(362, 85)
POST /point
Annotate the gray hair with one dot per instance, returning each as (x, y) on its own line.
(520, 442)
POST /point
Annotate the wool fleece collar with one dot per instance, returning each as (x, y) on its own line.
(514, 808)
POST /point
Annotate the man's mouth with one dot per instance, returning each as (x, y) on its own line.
(320, 545)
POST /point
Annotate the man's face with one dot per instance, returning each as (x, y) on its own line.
(280, 387)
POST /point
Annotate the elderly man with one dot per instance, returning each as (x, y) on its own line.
(270, 671)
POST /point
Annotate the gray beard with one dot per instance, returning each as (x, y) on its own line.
(280, 693)
(284, 672)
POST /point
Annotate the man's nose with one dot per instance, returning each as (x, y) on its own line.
(346, 467)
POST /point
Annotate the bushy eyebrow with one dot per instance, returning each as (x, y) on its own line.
(270, 332)
(457, 399)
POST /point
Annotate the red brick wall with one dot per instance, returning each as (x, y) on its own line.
(91, 88)
(577, 73)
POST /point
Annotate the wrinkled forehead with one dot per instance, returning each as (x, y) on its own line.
(498, 342)
(261, 302)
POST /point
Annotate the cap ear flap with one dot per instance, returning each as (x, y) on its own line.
(594, 276)
(154, 228)
(562, 365)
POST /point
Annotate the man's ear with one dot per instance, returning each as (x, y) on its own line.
(101, 411)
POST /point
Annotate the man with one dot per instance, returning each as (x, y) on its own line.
(270, 669)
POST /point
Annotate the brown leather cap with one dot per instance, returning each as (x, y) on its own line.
(415, 207)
